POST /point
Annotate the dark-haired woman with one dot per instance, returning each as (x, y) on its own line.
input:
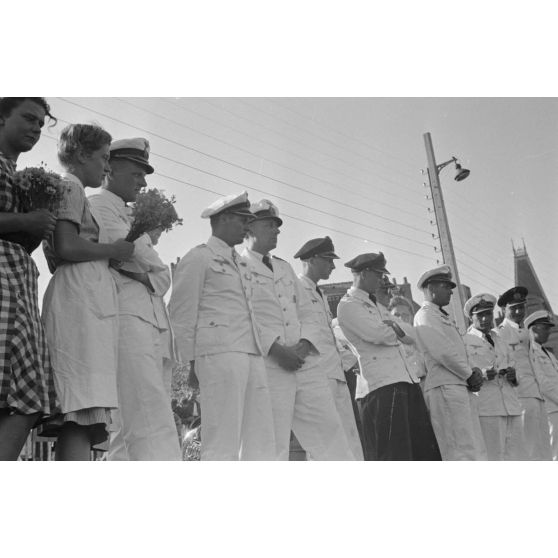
(27, 393)
(80, 306)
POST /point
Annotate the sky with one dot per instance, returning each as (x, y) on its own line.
(352, 169)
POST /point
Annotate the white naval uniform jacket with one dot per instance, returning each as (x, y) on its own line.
(443, 348)
(210, 306)
(283, 309)
(134, 298)
(546, 367)
(326, 343)
(381, 356)
(518, 343)
(497, 397)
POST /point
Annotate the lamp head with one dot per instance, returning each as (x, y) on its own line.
(461, 173)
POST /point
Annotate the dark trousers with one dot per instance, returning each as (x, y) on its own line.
(351, 379)
(396, 425)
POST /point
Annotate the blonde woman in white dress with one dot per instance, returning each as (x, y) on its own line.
(80, 310)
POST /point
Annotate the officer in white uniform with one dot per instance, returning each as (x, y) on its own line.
(535, 422)
(498, 401)
(216, 332)
(449, 377)
(544, 362)
(290, 335)
(144, 427)
(394, 418)
(317, 257)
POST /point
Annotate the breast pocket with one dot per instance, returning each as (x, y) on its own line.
(222, 269)
(211, 332)
(475, 349)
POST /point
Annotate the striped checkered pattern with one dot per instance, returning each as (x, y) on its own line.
(26, 377)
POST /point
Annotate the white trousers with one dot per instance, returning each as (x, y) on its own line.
(553, 427)
(235, 405)
(535, 429)
(144, 427)
(503, 437)
(455, 420)
(302, 402)
(344, 407)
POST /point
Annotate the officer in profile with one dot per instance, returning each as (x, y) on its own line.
(317, 257)
(216, 332)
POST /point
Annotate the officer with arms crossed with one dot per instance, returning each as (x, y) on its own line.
(394, 418)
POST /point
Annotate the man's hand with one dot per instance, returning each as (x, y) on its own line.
(475, 380)
(303, 348)
(192, 380)
(511, 376)
(285, 357)
(398, 331)
(491, 374)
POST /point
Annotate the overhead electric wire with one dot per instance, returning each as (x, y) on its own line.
(291, 153)
(187, 183)
(352, 138)
(251, 171)
(313, 149)
(333, 143)
(291, 169)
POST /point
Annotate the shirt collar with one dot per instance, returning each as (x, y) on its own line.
(115, 200)
(430, 305)
(359, 293)
(220, 246)
(474, 331)
(307, 280)
(511, 323)
(255, 254)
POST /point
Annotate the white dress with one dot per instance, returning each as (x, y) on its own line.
(80, 314)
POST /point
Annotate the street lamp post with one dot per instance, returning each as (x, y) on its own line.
(448, 254)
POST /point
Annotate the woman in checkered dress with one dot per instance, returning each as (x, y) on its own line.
(80, 308)
(27, 394)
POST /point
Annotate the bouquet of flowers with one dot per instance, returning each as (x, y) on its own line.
(38, 188)
(152, 210)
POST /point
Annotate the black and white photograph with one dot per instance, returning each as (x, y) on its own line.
(289, 264)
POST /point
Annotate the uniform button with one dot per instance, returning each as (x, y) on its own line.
(284, 309)
(287, 323)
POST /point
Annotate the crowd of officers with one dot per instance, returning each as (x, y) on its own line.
(270, 359)
(257, 338)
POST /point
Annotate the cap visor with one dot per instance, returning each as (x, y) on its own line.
(276, 219)
(148, 168)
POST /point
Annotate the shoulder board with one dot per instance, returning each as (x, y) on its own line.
(201, 245)
(280, 259)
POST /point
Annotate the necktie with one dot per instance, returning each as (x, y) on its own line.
(319, 290)
(267, 261)
(489, 338)
(372, 298)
